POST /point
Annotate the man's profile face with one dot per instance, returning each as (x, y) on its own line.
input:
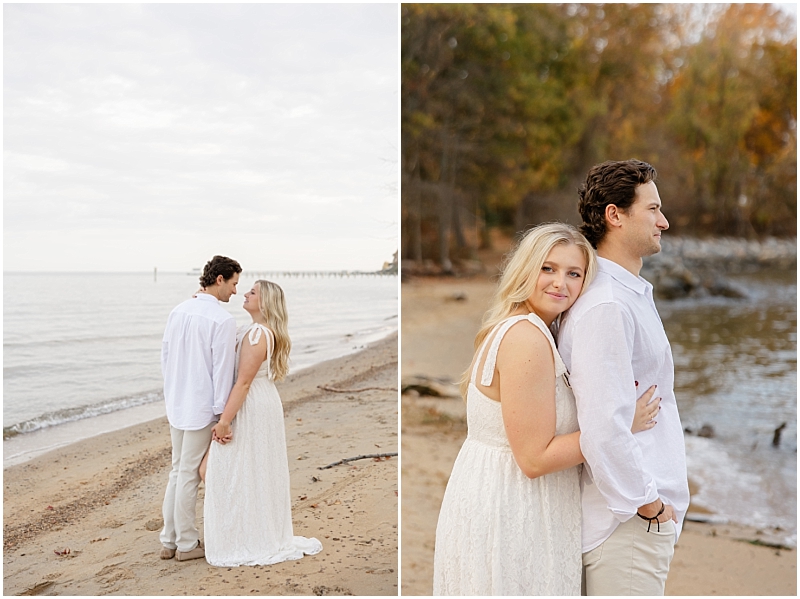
(228, 288)
(643, 222)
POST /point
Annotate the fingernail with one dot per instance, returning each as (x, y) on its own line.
(637, 383)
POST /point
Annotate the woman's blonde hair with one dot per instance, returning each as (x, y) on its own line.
(273, 309)
(520, 273)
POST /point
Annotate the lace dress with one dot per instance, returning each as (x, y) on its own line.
(499, 532)
(248, 510)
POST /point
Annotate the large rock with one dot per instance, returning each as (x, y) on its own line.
(671, 279)
(691, 267)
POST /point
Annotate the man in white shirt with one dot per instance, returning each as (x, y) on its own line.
(197, 360)
(634, 489)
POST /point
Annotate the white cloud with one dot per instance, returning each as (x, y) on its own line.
(172, 123)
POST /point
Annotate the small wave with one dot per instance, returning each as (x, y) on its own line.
(81, 412)
(732, 491)
(80, 340)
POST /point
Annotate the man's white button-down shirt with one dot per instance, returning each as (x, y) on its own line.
(610, 338)
(197, 360)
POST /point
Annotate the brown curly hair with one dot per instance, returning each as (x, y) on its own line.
(218, 265)
(612, 182)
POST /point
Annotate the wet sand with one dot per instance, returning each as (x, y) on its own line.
(437, 336)
(101, 500)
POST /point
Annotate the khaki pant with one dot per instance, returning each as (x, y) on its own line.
(180, 500)
(631, 561)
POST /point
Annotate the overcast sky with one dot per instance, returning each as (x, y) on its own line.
(138, 136)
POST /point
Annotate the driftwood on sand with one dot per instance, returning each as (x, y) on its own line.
(360, 457)
(431, 387)
(335, 390)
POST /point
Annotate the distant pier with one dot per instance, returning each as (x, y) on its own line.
(389, 270)
(314, 274)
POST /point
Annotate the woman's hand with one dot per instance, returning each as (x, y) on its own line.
(201, 290)
(221, 432)
(646, 411)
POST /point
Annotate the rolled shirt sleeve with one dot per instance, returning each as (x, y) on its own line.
(605, 392)
(223, 355)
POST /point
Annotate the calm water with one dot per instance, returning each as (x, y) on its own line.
(81, 345)
(736, 370)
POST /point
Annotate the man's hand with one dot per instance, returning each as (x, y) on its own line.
(222, 432)
(649, 510)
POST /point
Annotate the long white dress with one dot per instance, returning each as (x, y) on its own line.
(499, 532)
(248, 510)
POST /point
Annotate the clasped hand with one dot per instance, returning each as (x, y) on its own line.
(221, 433)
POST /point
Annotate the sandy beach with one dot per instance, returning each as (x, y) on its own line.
(440, 319)
(99, 502)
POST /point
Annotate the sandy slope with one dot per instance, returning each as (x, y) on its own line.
(102, 500)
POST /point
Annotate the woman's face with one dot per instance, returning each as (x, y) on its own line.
(251, 300)
(559, 283)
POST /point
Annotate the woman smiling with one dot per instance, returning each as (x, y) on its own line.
(510, 522)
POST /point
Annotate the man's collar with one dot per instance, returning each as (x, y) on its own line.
(627, 278)
(206, 296)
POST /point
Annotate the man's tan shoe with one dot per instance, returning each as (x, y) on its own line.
(195, 553)
(167, 553)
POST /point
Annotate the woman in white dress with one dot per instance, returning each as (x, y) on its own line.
(510, 522)
(248, 510)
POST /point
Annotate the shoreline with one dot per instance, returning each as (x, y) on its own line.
(21, 447)
(101, 499)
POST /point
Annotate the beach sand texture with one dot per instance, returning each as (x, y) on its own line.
(101, 499)
(437, 335)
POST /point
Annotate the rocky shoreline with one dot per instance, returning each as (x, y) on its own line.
(691, 267)
(739, 255)
(686, 266)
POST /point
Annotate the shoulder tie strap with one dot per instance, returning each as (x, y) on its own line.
(491, 357)
(254, 336)
(539, 323)
(479, 356)
(502, 329)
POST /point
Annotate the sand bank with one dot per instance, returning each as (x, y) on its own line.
(437, 335)
(101, 499)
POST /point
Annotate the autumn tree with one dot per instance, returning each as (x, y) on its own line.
(484, 112)
(734, 114)
(505, 107)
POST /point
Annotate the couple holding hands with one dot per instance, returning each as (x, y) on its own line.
(226, 425)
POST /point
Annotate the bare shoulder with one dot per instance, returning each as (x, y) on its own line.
(523, 342)
(255, 345)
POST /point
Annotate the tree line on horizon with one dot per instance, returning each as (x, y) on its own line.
(506, 107)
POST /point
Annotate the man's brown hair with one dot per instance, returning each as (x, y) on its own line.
(612, 182)
(219, 265)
